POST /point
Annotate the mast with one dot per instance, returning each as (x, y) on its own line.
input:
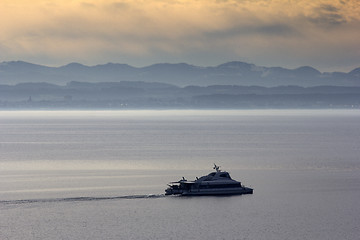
(217, 168)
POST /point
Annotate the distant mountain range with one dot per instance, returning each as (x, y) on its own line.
(182, 74)
(234, 85)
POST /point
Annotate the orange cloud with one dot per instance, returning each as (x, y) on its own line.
(93, 29)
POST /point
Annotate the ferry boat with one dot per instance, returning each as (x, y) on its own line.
(215, 183)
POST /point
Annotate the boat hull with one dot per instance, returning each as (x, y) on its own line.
(212, 192)
(219, 192)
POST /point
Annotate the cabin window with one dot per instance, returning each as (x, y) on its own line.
(225, 175)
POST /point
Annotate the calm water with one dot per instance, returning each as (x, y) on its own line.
(101, 175)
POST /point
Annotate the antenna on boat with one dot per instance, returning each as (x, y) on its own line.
(217, 168)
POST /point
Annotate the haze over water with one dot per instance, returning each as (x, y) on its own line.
(102, 174)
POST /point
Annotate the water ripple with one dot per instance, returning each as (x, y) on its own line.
(80, 199)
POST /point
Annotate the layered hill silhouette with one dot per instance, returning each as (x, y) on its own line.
(232, 85)
(143, 95)
(182, 74)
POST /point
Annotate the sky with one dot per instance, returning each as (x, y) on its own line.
(324, 34)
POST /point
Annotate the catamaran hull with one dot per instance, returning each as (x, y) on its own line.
(213, 192)
(218, 192)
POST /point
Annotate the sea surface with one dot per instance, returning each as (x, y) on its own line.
(102, 174)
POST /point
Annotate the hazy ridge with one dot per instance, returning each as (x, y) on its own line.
(159, 95)
(182, 74)
(230, 85)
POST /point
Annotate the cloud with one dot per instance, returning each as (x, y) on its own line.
(119, 5)
(194, 31)
(328, 15)
(87, 5)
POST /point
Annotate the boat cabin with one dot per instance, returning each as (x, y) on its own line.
(215, 176)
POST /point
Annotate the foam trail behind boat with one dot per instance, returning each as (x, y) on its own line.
(79, 199)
